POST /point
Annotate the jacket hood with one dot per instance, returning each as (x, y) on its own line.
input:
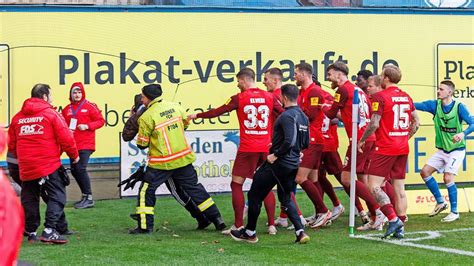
(34, 105)
(74, 86)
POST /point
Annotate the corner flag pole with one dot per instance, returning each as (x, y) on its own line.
(355, 125)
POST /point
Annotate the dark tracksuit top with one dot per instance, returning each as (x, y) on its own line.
(290, 137)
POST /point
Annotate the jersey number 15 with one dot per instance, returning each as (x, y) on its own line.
(401, 118)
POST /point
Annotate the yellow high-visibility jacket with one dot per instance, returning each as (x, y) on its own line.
(161, 129)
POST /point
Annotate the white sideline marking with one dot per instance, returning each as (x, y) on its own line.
(430, 235)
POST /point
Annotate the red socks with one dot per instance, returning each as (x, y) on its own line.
(363, 192)
(283, 213)
(238, 203)
(270, 205)
(314, 196)
(403, 218)
(328, 188)
(320, 189)
(358, 205)
(388, 211)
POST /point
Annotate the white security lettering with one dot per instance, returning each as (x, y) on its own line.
(30, 120)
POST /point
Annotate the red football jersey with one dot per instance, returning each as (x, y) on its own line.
(254, 109)
(343, 101)
(277, 93)
(277, 97)
(311, 102)
(331, 141)
(395, 107)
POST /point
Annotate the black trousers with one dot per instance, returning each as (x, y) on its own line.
(53, 192)
(184, 199)
(186, 178)
(266, 177)
(79, 172)
(14, 172)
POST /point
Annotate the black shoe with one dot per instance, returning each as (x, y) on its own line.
(203, 224)
(241, 235)
(302, 238)
(134, 216)
(85, 202)
(138, 230)
(219, 224)
(51, 236)
(32, 238)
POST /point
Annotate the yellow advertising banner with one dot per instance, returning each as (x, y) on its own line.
(455, 62)
(423, 202)
(469, 192)
(195, 56)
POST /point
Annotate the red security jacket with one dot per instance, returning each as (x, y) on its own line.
(12, 220)
(12, 223)
(86, 113)
(37, 137)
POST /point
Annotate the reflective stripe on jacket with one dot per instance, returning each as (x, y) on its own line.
(161, 129)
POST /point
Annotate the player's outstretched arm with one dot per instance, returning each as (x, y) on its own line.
(333, 111)
(426, 106)
(414, 124)
(230, 105)
(371, 128)
(340, 99)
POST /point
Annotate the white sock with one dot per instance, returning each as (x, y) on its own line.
(250, 233)
(299, 232)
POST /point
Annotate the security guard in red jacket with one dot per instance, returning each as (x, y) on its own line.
(83, 118)
(12, 220)
(37, 136)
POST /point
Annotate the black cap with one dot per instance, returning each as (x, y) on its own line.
(152, 91)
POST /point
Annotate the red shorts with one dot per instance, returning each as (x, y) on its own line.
(312, 156)
(332, 162)
(247, 162)
(362, 158)
(388, 166)
(367, 161)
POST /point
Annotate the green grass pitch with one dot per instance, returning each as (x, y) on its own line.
(102, 239)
